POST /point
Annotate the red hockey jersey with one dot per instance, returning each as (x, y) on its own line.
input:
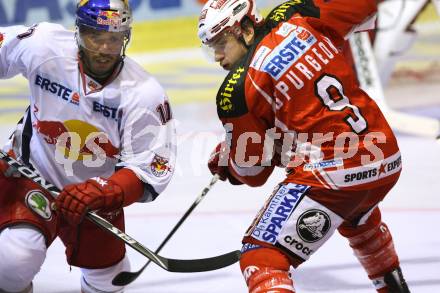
(295, 92)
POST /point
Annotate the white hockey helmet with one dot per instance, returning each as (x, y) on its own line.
(218, 15)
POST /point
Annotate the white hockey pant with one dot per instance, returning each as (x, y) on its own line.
(99, 280)
(22, 253)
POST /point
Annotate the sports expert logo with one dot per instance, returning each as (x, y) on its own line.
(312, 225)
(39, 204)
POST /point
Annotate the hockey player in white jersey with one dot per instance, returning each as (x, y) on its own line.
(98, 126)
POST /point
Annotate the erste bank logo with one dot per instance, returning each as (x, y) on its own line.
(289, 51)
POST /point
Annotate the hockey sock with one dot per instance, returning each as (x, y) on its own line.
(373, 246)
(266, 270)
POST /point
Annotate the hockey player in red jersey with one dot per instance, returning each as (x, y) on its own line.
(99, 127)
(292, 100)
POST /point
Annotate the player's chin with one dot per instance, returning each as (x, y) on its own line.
(101, 70)
(103, 66)
(226, 67)
(106, 59)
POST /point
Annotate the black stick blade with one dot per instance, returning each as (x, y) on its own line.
(204, 264)
(184, 266)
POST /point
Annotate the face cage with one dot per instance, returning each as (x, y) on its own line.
(111, 49)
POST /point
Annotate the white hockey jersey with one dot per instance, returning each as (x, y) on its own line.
(74, 129)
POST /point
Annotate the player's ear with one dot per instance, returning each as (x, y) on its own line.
(248, 32)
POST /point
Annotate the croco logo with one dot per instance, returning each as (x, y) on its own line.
(39, 204)
(225, 102)
(313, 225)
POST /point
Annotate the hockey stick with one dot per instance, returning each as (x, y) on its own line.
(369, 80)
(125, 278)
(171, 265)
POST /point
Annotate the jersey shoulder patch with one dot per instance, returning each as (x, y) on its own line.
(231, 99)
(286, 10)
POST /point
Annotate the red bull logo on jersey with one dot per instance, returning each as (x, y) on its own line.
(75, 139)
(160, 166)
(288, 52)
(1, 39)
(109, 17)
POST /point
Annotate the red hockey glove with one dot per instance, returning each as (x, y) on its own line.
(222, 171)
(3, 168)
(99, 194)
